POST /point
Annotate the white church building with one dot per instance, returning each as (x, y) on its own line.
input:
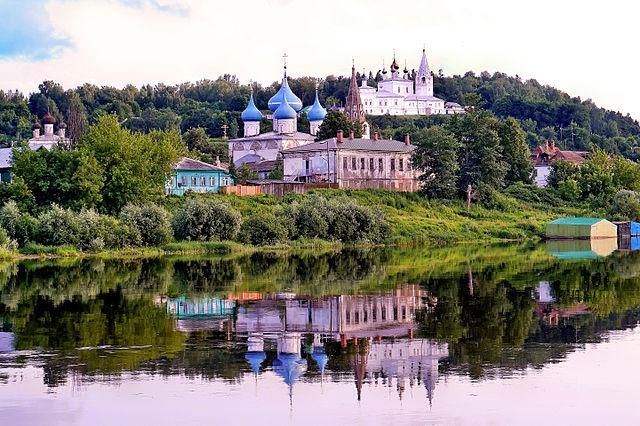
(400, 94)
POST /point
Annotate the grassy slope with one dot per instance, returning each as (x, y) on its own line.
(413, 219)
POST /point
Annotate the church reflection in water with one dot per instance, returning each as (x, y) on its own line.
(285, 332)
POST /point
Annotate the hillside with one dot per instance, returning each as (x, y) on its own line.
(543, 111)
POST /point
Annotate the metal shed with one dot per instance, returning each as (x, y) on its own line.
(628, 229)
(581, 228)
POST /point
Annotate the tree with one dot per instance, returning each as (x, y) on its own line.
(76, 119)
(480, 156)
(334, 121)
(515, 152)
(437, 154)
(244, 173)
(135, 166)
(278, 169)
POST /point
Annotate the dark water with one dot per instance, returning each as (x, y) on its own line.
(463, 335)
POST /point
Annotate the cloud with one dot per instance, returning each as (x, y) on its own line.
(28, 32)
(167, 6)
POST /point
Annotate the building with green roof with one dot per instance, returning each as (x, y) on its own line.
(581, 228)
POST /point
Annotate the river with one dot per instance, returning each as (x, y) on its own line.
(501, 334)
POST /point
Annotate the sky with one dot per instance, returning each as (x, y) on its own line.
(585, 48)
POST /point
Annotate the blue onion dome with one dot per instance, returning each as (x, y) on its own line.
(255, 359)
(321, 358)
(285, 93)
(251, 113)
(284, 111)
(317, 112)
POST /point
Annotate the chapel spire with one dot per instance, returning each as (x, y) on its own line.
(353, 109)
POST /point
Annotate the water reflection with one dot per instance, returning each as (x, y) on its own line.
(380, 322)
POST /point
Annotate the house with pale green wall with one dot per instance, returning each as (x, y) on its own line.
(197, 176)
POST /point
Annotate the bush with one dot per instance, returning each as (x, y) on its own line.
(626, 205)
(307, 220)
(349, 222)
(151, 222)
(263, 229)
(86, 230)
(58, 227)
(6, 243)
(21, 227)
(206, 221)
(98, 231)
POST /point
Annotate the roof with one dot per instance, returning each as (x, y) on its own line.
(186, 163)
(317, 111)
(262, 166)
(423, 98)
(276, 136)
(387, 94)
(285, 92)
(251, 113)
(358, 144)
(577, 221)
(572, 156)
(273, 181)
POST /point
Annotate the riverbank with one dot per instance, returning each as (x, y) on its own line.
(411, 220)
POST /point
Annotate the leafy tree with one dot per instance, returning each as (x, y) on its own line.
(244, 173)
(515, 152)
(278, 170)
(334, 121)
(437, 153)
(135, 166)
(481, 158)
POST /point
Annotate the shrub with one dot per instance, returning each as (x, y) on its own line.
(58, 226)
(6, 243)
(263, 229)
(626, 205)
(98, 231)
(20, 226)
(351, 222)
(151, 222)
(308, 219)
(206, 221)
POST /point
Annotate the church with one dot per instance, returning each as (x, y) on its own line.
(260, 150)
(404, 94)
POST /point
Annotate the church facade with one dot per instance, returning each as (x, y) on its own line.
(404, 94)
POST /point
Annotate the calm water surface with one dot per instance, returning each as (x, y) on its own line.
(463, 335)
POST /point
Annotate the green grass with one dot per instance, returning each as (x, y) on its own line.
(413, 219)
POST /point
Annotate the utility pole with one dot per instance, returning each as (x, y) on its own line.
(224, 131)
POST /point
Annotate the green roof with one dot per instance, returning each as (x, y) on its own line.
(576, 221)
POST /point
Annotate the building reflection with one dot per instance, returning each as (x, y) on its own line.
(376, 332)
(549, 311)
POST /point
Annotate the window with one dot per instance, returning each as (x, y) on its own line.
(407, 91)
(401, 165)
(370, 163)
(345, 163)
(212, 181)
(184, 180)
(356, 317)
(374, 314)
(365, 316)
(362, 164)
(203, 181)
(347, 317)
(353, 163)
(393, 164)
(395, 313)
(404, 313)
(396, 102)
(383, 314)
(307, 165)
(380, 164)
(194, 181)
(398, 90)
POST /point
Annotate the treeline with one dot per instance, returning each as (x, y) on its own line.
(215, 105)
